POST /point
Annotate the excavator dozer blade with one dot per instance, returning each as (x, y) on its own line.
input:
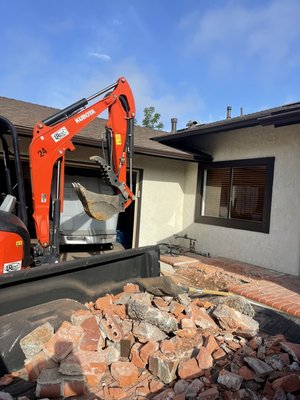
(98, 206)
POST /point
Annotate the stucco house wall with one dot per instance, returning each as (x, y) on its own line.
(162, 201)
(278, 250)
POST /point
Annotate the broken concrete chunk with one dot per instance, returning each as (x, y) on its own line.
(163, 367)
(33, 343)
(163, 320)
(184, 299)
(261, 368)
(146, 332)
(239, 303)
(230, 319)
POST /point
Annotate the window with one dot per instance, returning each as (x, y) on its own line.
(236, 194)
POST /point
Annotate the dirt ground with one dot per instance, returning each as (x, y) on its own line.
(212, 280)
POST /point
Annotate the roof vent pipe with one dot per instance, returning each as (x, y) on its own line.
(228, 112)
(174, 125)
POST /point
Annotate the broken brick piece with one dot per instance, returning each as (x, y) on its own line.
(204, 358)
(103, 303)
(135, 356)
(176, 308)
(36, 364)
(73, 386)
(49, 384)
(211, 344)
(147, 350)
(63, 341)
(117, 393)
(110, 326)
(289, 383)
(33, 343)
(83, 362)
(189, 369)
(91, 335)
(131, 288)
(79, 316)
(125, 373)
(155, 385)
(167, 346)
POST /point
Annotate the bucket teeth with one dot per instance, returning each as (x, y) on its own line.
(98, 206)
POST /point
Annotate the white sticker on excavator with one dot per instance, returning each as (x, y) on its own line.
(12, 267)
(60, 134)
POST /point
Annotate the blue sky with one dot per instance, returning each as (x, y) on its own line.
(189, 59)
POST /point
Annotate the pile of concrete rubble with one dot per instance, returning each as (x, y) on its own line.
(136, 345)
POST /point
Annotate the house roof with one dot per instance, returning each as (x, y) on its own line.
(189, 139)
(24, 115)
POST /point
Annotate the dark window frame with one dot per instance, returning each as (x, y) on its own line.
(256, 226)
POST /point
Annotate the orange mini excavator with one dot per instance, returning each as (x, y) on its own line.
(52, 137)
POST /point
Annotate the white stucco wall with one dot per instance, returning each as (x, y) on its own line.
(278, 250)
(162, 201)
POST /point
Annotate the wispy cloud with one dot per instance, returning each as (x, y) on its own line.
(234, 35)
(100, 56)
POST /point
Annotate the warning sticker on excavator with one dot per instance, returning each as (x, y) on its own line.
(60, 134)
(118, 139)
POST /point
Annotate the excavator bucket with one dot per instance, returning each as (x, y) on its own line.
(98, 206)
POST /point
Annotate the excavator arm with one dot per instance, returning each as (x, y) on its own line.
(53, 137)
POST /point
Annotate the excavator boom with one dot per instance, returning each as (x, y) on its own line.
(53, 137)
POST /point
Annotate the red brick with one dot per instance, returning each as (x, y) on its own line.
(125, 373)
(131, 288)
(102, 303)
(288, 307)
(93, 380)
(83, 362)
(176, 308)
(6, 380)
(246, 373)
(180, 396)
(155, 385)
(204, 358)
(209, 394)
(220, 353)
(119, 310)
(143, 390)
(63, 342)
(91, 335)
(160, 304)
(186, 333)
(211, 344)
(289, 383)
(187, 323)
(117, 393)
(189, 369)
(36, 364)
(49, 384)
(148, 350)
(79, 316)
(73, 386)
(135, 356)
(167, 347)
